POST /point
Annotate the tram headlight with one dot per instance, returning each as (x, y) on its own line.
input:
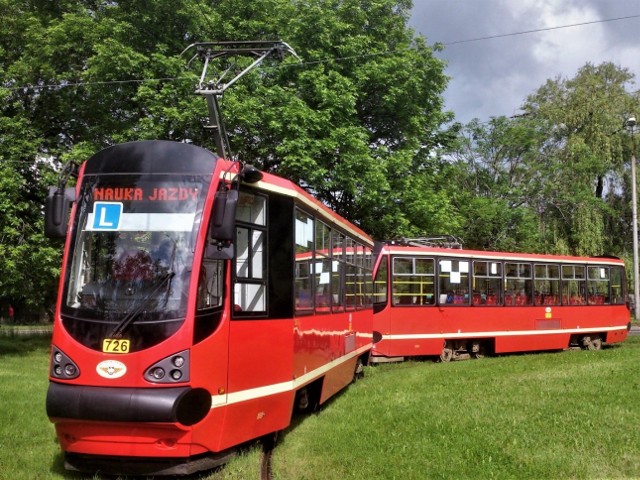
(178, 361)
(62, 366)
(177, 366)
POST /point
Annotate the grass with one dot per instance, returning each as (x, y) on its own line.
(551, 415)
(27, 440)
(554, 415)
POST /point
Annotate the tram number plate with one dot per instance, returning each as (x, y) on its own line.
(112, 345)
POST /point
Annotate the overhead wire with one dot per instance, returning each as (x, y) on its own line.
(538, 30)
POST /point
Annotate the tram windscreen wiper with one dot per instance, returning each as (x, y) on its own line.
(138, 307)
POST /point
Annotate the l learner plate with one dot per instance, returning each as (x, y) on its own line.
(113, 345)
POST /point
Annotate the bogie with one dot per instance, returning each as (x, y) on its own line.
(464, 350)
(307, 398)
(592, 342)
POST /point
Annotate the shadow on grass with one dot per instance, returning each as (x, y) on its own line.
(58, 468)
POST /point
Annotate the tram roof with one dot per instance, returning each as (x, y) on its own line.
(273, 183)
(491, 255)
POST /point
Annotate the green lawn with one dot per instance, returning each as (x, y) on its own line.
(552, 415)
(28, 448)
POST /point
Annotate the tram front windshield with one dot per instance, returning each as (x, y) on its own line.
(130, 265)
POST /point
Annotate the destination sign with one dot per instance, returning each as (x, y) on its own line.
(155, 194)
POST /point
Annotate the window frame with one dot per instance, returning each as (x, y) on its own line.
(482, 298)
(456, 271)
(415, 277)
(251, 286)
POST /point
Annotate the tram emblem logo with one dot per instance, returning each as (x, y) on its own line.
(111, 369)
(107, 215)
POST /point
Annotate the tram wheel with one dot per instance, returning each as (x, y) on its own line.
(307, 399)
(446, 355)
(302, 400)
(478, 350)
(595, 343)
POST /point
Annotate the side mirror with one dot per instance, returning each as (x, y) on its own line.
(223, 217)
(56, 211)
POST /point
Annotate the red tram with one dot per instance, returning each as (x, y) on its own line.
(200, 302)
(456, 303)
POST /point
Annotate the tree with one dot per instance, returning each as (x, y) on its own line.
(582, 160)
(55, 58)
(351, 122)
(29, 264)
(562, 162)
(352, 119)
(497, 189)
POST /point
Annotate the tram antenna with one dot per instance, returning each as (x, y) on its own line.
(212, 88)
(440, 241)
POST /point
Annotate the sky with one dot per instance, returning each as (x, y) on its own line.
(493, 77)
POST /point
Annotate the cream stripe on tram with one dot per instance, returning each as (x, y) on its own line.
(274, 389)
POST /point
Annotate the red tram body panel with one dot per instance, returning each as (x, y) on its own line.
(176, 340)
(431, 301)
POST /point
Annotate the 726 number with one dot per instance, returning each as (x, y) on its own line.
(111, 345)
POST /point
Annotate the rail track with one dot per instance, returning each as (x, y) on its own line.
(268, 444)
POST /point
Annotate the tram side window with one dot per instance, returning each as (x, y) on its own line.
(618, 291)
(598, 286)
(304, 234)
(351, 274)
(487, 283)
(518, 285)
(210, 297)
(402, 269)
(413, 281)
(453, 282)
(337, 272)
(573, 285)
(367, 270)
(547, 285)
(211, 284)
(322, 271)
(380, 281)
(361, 278)
(250, 285)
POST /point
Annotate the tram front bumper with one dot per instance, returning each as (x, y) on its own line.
(184, 405)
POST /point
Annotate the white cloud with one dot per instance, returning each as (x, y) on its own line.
(494, 76)
(567, 47)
